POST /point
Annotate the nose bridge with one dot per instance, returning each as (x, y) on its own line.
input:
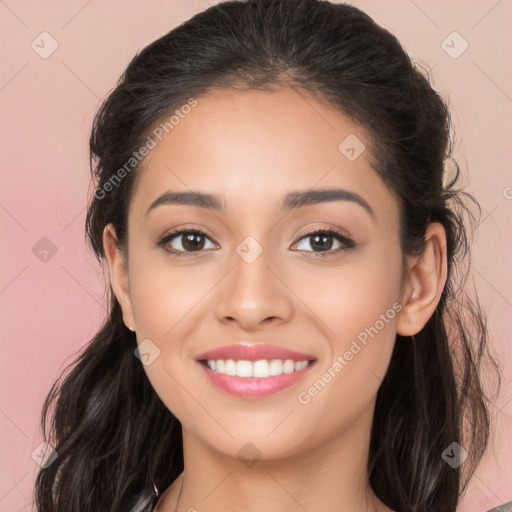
(251, 293)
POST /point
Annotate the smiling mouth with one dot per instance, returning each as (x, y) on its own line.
(262, 368)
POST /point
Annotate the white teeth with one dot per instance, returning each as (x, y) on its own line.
(276, 367)
(261, 368)
(288, 366)
(300, 365)
(230, 367)
(244, 369)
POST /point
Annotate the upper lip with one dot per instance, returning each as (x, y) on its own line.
(244, 352)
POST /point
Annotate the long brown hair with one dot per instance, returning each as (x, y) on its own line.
(114, 437)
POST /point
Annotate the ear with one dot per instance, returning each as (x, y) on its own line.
(424, 283)
(118, 271)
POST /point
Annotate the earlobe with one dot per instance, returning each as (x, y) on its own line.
(118, 274)
(426, 279)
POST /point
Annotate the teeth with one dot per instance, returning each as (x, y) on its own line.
(276, 367)
(230, 367)
(244, 369)
(261, 368)
(288, 366)
(299, 365)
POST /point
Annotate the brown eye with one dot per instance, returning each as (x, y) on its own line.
(192, 241)
(185, 241)
(322, 241)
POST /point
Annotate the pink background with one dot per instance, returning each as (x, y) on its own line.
(49, 310)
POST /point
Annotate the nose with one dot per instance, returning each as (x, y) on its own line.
(253, 294)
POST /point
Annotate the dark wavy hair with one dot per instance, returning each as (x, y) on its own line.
(114, 436)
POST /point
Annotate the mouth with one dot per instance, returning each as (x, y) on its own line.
(260, 369)
(254, 371)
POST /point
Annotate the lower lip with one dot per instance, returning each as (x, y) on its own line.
(254, 387)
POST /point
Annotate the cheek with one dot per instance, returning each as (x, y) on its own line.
(360, 311)
(169, 305)
(358, 306)
(355, 295)
(165, 297)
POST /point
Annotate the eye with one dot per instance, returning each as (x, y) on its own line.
(184, 241)
(321, 241)
(189, 242)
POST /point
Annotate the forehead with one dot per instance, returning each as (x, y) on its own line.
(252, 147)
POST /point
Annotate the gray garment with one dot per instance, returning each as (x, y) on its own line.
(506, 507)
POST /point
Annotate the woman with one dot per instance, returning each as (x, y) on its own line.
(287, 328)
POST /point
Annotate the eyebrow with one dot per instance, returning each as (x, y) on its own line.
(297, 199)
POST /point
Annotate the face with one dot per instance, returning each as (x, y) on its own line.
(322, 278)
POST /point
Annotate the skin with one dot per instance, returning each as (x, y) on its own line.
(251, 148)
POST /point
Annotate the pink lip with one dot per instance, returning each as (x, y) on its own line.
(254, 387)
(253, 353)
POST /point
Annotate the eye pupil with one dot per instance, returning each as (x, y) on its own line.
(325, 244)
(190, 241)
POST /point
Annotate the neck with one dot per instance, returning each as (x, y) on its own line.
(330, 477)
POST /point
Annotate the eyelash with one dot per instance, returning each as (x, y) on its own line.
(347, 243)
